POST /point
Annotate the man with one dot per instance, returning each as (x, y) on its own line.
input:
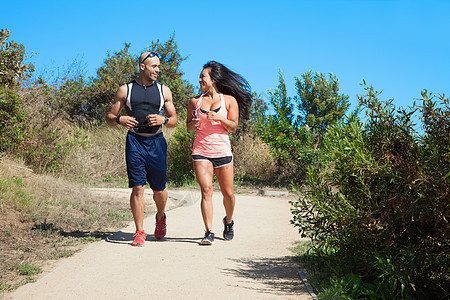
(145, 100)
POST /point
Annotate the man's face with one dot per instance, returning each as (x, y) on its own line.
(150, 68)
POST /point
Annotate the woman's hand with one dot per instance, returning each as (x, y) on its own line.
(193, 124)
(212, 115)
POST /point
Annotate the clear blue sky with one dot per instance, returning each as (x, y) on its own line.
(399, 46)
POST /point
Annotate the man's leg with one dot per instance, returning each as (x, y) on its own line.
(160, 198)
(137, 204)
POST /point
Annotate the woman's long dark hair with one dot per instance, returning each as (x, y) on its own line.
(230, 83)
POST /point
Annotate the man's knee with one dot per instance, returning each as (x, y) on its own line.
(138, 190)
(160, 194)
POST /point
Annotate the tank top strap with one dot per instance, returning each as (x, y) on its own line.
(199, 103)
(222, 101)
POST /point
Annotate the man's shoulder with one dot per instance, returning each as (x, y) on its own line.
(122, 91)
(165, 88)
(125, 85)
(161, 84)
(128, 83)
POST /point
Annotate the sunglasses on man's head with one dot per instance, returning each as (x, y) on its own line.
(152, 54)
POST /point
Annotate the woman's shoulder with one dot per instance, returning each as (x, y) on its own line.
(195, 99)
(226, 96)
(229, 99)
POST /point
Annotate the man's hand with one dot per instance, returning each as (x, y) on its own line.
(128, 122)
(155, 120)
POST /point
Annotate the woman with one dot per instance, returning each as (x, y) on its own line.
(226, 97)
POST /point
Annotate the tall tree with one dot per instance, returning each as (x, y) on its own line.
(282, 103)
(319, 102)
(13, 69)
(289, 144)
(90, 99)
(171, 74)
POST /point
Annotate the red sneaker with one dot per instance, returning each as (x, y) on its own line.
(139, 238)
(160, 228)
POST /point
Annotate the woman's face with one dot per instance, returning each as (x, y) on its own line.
(205, 80)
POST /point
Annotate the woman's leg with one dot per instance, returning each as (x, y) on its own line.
(204, 173)
(225, 177)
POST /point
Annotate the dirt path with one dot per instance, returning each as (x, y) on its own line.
(256, 264)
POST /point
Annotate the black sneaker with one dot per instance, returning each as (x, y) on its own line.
(208, 239)
(228, 231)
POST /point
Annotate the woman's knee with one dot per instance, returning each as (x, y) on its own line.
(207, 191)
(228, 195)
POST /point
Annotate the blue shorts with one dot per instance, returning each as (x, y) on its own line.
(146, 158)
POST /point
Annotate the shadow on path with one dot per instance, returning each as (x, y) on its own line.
(50, 228)
(121, 237)
(279, 274)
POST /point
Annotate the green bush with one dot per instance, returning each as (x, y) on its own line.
(180, 169)
(87, 100)
(319, 101)
(294, 139)
(29, 270)
(12, 118)
(12, 67)
(292, 149)
(381, 207)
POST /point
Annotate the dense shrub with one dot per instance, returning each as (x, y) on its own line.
(294, 139)
(87, 100)
(319, 102)
(13, 68)
(171, 74)
(12, 117)
(179, 151)
(47, 137)
(381, 206)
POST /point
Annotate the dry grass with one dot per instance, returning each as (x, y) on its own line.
(44, 218)
(99, 158)
(253, 159)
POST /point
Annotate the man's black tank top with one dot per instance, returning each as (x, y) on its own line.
(143, 101)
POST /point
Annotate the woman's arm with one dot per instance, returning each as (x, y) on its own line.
(191, 118)
(231, 122)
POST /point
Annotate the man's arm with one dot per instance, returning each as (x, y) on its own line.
(169, 108)
(119, 102)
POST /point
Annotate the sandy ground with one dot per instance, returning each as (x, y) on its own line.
(255, 265)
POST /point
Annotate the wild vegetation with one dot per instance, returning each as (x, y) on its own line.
(375, 191)
(378, 204)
